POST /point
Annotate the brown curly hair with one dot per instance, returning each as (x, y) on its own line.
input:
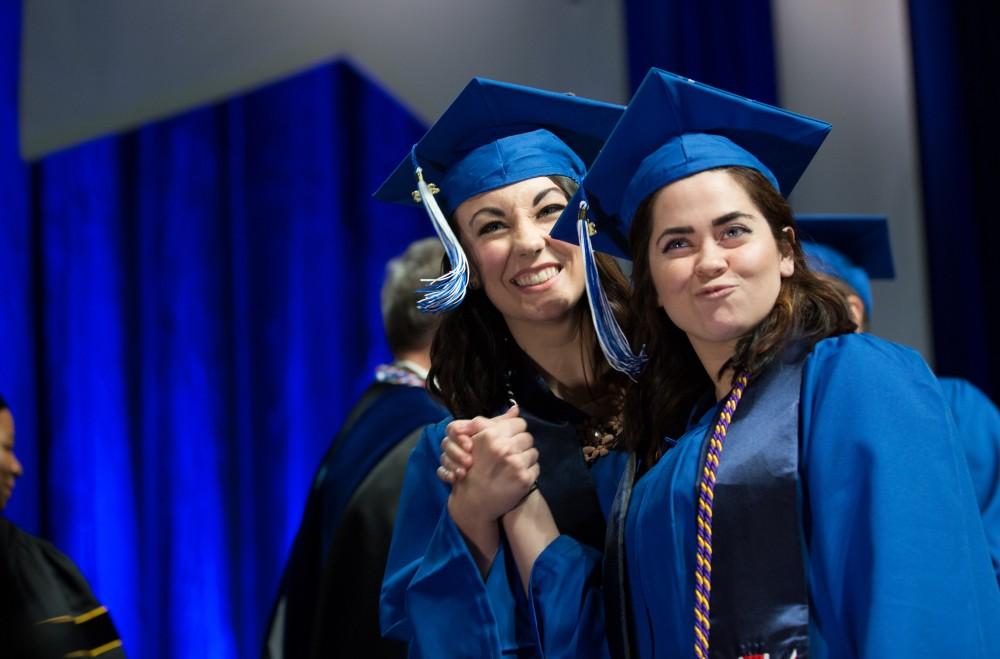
(473, 349)
(808, 309)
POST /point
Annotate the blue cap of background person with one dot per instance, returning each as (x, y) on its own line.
(673, 128)
(493, 134)
(854, 248)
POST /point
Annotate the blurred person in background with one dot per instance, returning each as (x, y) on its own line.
(852, 250)
(46, 606)
(327, 605)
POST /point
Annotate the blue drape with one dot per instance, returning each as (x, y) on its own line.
(725, 43)
(955, 58)
(188, 311)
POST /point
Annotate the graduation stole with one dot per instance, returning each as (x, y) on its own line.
(755, 590)
(751, 598)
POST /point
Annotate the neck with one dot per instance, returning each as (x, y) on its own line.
(712, 356)
(557, 350)
(420, 358)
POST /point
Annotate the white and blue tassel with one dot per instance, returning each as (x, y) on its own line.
(447, 291)
(609, 333)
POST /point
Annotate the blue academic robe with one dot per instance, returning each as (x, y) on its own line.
(310, 616)
(978, 423)
(895, 555)
(433, 595)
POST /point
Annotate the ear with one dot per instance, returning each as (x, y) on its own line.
(857, 309)
(474, 282)
(785, 246)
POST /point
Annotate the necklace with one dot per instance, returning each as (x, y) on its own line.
(599, 434)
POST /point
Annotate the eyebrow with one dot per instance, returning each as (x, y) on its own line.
(717, 222)
(496, 212)
(489, 210)
(541, 195)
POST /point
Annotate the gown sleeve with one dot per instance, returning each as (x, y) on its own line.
(433, 596)
(566, 597)
(978, 422)
(898, 564)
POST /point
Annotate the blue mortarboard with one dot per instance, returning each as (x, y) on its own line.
(854, 248)
(673, 128)
(493, 134)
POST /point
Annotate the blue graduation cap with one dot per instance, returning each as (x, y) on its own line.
(854, 248)
(673, 128)
(493, 134)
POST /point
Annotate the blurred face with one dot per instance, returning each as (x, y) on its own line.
(528, 276)
(10, 468)
(716, 266)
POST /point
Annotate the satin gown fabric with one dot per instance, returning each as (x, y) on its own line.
(896, 558)
(978, 423)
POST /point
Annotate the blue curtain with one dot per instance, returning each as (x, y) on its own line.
(956, 52)
(725, 43)
(188, 312)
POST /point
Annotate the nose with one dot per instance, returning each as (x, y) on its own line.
(711, 261)
(18, 469)
(529, 237)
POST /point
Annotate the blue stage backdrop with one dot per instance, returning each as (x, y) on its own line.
(187, 313)
(725, 43)
(955, 58)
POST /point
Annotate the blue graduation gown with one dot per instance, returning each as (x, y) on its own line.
(978, 422)
(433, 595)
(895, 553)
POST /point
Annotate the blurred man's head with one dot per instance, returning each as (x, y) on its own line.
(10, 468)
(407, 330)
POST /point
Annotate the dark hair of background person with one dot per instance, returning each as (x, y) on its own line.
(406, 328)
(3, 404)
(473, 349)
(808, 309)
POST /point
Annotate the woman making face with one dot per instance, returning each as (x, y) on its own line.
(801, 492)
(460, 560)
(714, 262)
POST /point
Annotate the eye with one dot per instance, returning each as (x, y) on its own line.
(675, 244)
(551, 209)
(735, 231)
(490, 227)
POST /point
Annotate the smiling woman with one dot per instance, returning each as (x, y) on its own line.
(543, 470)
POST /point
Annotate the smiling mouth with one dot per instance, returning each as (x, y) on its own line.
(537, 277)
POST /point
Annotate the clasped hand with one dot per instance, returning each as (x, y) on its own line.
(490, 463)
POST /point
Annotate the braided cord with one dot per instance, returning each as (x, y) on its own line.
(706, 493)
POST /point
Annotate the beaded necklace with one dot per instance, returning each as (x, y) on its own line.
(706, 493)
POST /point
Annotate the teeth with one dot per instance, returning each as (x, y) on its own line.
(536, 278)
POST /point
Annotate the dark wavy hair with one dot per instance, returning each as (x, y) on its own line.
(473, 349)
(808, 309)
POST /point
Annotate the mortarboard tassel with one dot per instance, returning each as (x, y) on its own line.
(447, 291)
(609, 334)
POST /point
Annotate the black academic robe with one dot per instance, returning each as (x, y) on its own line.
(46, 606)
(327, 605)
